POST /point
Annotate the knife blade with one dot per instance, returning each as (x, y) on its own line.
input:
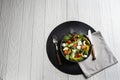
(89, 35)
(93, 52)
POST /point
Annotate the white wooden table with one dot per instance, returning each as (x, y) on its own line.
(26, 24)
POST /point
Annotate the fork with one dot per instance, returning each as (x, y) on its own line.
(55, 41)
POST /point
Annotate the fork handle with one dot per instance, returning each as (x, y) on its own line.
(59, 60)
(93, 54)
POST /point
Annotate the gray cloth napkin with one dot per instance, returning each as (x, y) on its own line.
(104, 57)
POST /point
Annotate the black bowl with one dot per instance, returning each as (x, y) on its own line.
(73, 60)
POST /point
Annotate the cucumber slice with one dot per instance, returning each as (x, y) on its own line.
(67, 57)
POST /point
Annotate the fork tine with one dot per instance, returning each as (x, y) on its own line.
(55, 39)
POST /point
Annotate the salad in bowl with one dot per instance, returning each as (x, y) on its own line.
(75, 47)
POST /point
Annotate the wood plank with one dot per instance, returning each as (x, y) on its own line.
(1, 41)
(24, 72)
(89, 12)
(0, 7)
(72, 10)
(55, 14)
(38, 41)
(111, 13)
(11, 38)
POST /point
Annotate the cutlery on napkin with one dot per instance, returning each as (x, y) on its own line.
(105, 57)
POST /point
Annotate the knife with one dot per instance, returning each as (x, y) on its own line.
(92, 47)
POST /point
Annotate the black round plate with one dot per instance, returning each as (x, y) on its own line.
(62, 29)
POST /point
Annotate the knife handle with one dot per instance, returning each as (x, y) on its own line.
(59, 60)
(93, 54)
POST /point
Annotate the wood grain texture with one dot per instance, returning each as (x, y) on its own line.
(26, 24)
(55, 13)
(38, 41)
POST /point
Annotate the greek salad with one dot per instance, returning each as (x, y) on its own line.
(75, 47)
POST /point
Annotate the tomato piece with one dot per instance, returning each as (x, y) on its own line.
(83, 46)
(66, 52)
(75, 45)
(79, 55)
(69, 41)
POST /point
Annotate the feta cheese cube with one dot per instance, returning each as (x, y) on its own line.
(78, 47)
(65, 48)
(63, 44)
(74, 50)
(84, 56)
(79, 43)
